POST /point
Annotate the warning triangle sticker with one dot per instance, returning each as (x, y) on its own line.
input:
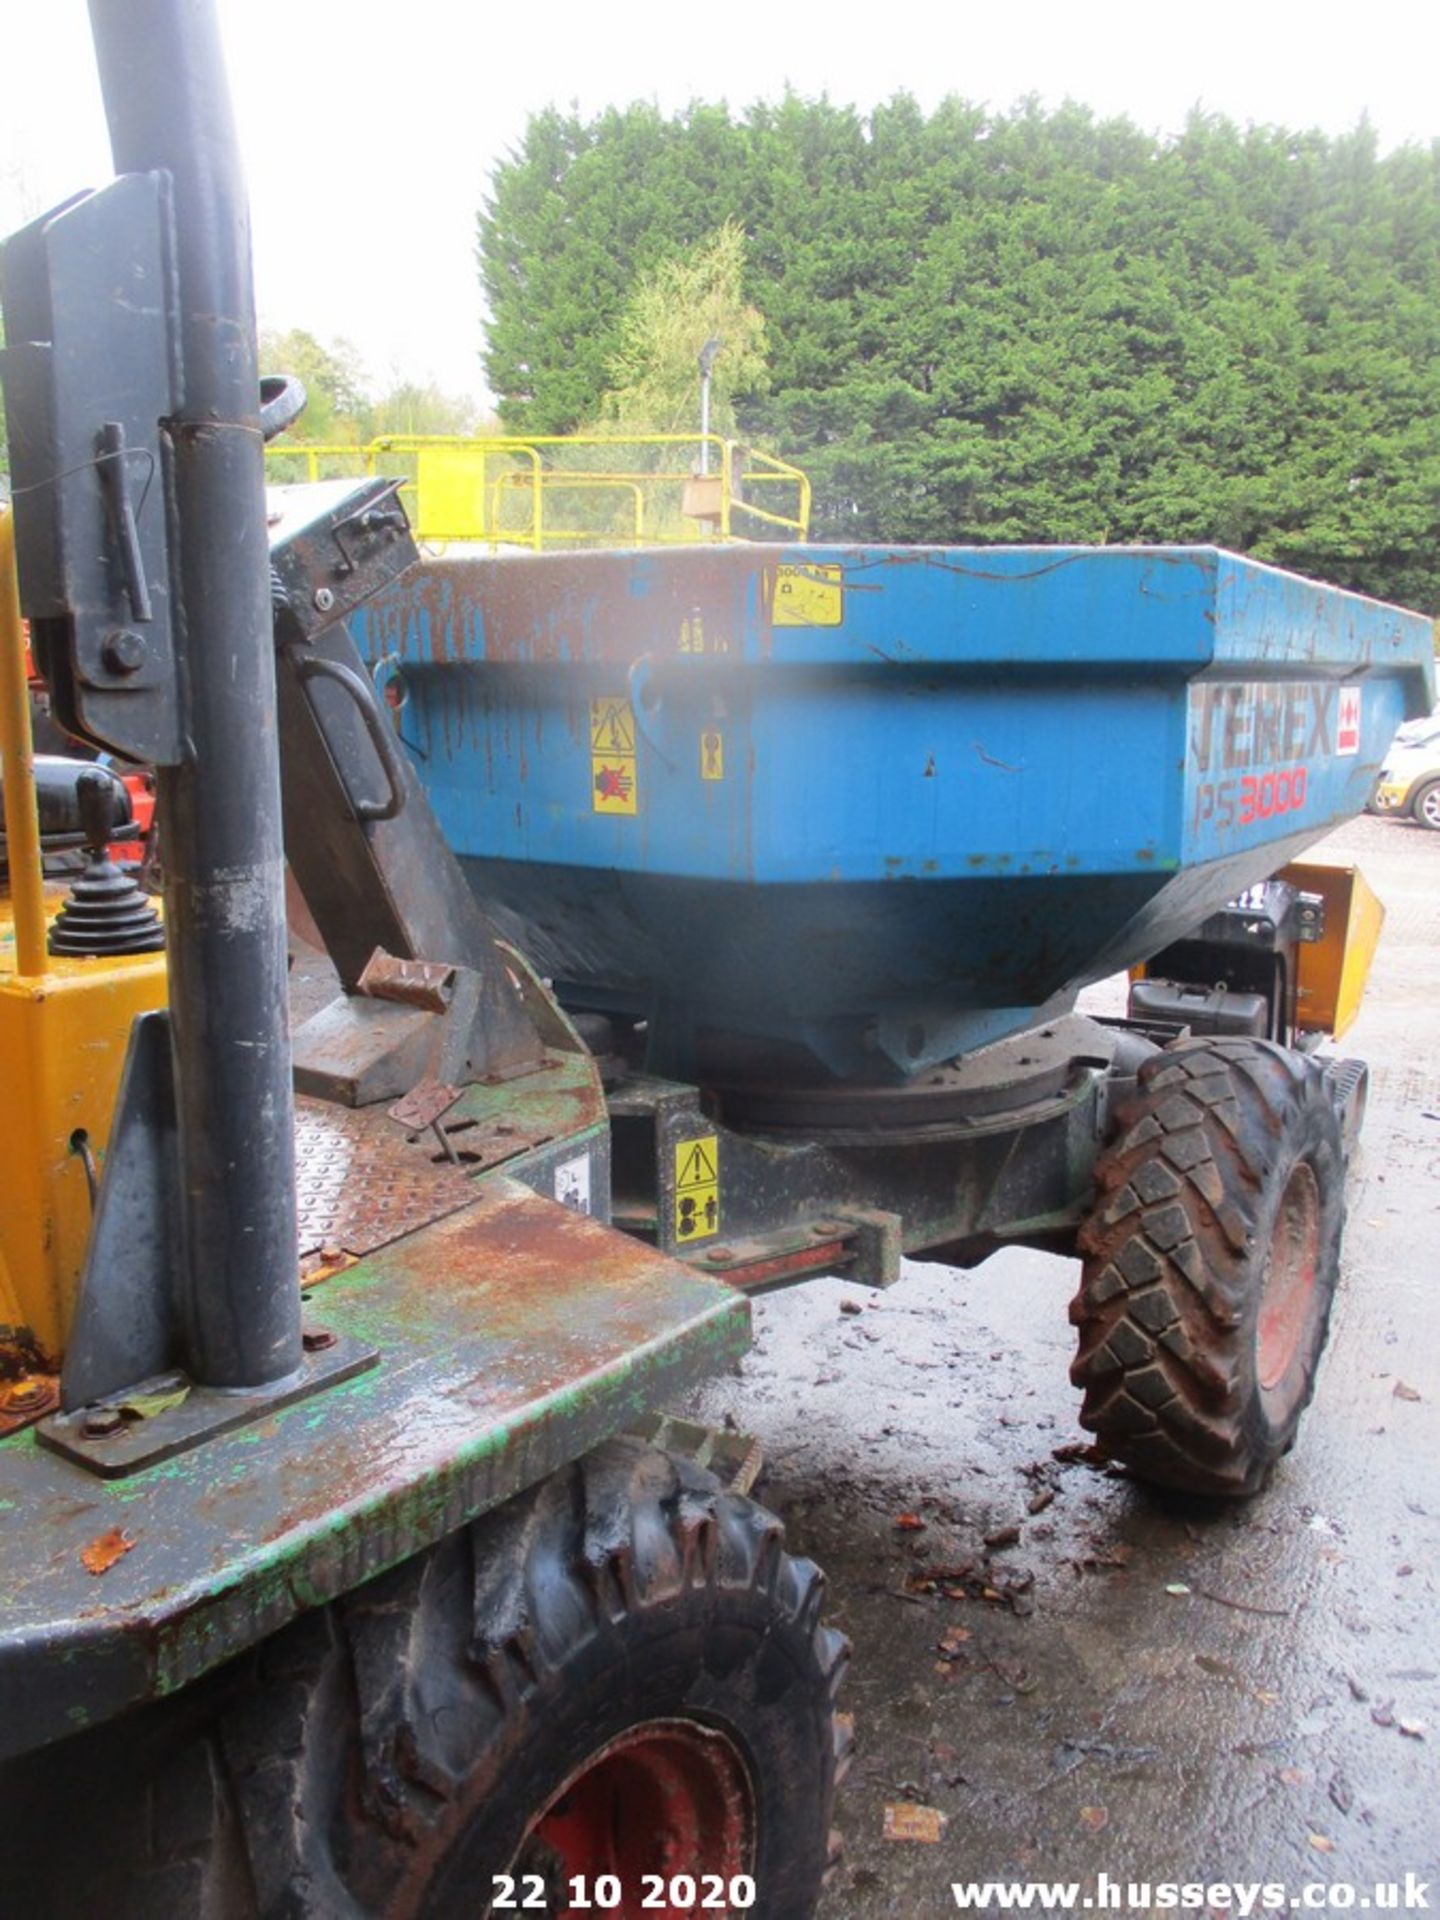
(612, 727)
(697, 1169)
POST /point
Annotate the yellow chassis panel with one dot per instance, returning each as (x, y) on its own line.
(1334, 970)
(63, 1036)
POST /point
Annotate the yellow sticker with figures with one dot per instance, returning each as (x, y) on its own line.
(809, 596)
(712, 754)
(697, 1188)
(613, 782)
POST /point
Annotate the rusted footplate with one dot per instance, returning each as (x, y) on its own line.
(513, 1336)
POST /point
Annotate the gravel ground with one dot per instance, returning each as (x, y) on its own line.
(1179, 1693)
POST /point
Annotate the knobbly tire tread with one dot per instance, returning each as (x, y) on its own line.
(1173, 1250)
(392, 1738)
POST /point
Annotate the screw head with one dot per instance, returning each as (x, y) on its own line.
(101, 1422)
(317, 1339)
(123, 652)
(324, 599)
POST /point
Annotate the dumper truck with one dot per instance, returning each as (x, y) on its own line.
(710, 919)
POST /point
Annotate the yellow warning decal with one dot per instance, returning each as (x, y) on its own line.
(612, 726)
(613, 782)
(697, 1188)
(712, 754)
(809, 596)
(695, 639)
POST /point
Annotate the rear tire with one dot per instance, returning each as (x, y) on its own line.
(393, 1753)
(1210, 1263)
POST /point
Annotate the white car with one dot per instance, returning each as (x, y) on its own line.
(1410, 778)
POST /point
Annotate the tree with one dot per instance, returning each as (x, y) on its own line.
(410, 408)
(575, 219)
(1034, 325)
(675, 309)
(336, 407)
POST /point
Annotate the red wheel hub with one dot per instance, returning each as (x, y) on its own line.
(668, 1800)
(1287, 1288)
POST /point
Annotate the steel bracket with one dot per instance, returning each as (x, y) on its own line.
(90, 373)
(364, 1047)
(126, 1325)
(862, 1244)
(117, 1436)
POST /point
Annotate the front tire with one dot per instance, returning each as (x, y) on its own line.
(621, 1672)
(1211, 1258)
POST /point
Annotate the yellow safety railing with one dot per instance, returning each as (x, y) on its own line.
(17, 751)
(571, 490)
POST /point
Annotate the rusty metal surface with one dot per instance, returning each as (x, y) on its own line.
(514, 1336)
(119, 1436)
(361, 1183)
(27, 1398)
(428, 984)
(556, 608)
(423, 1105)
(21, 1354)
(373, 874)
(761, 1274)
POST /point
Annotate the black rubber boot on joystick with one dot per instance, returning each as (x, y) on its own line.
(107, 911)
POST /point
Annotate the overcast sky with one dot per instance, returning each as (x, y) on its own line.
(370, 130)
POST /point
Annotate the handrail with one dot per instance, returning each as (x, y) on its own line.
(578, 483)
(22, 813)
(455, 493)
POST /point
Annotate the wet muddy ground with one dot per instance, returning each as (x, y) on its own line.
(1164, 1691)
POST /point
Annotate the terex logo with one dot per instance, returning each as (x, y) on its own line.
(1347, 734)
(1262, 724)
